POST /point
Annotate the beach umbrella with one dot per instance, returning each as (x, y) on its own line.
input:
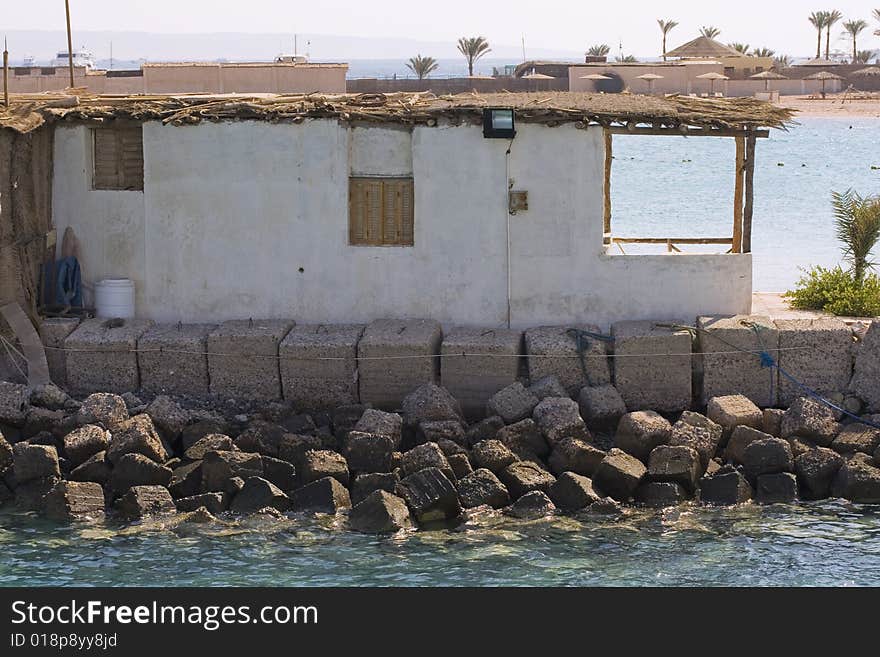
(711, 77)
(537, 77)
(766, 76)
(870, 71)
(649, 78)
(824, 76)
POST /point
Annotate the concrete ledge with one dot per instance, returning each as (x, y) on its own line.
(737, 373)
(866, 373)
(103, 359)
(243, 358)
(644, 375)
(472, 380)
(384, 383)
(817, 352)
(545, 344)
(171, 372)
(53, 332)
(317, 384)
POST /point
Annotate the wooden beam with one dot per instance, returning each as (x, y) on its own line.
(738, 195)
(671, 240)
(689, 132)
(749, 195)
(607, 189)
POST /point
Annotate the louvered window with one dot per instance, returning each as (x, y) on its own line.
(119, 158)
(380, 211)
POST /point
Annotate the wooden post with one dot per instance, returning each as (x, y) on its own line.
(5, 74)
(749, 194)
(69, 41)
(607, 188)
(738, 196)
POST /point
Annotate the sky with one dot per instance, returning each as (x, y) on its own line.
(564, 26)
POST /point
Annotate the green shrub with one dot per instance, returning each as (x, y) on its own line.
(836, 291)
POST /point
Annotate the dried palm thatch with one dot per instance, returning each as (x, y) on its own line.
(28, 112)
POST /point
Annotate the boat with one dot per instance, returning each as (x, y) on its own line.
(81, 57)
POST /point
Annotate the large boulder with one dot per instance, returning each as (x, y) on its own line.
(558, 418)
(512, 404)
(136, 435)
(294, 447)
(262, 437)
(364, 484)
(778, 488)
(32, 462)
(858, 480)
(771, 422)
(14, 403)
(72, 500)
(522, 477)
(572, 492)
(531, 506)
(678, 464)
(103, 408)
(168, 416)
(96, 469)
(638, 433)
(725, 487)
(430, 495)
(198, 430)
(810, 419)
(698, 432)
(524, 439)
(219, 467)
(482, 487)
(367, 452)
(380, 423)
(137, 470)
(767, 456)
(83, 443)
(321, 463)
(601, 406)
(731, 411)
(281, 473)
(257, 494)
(213, 442)
(816, 470)
(6, 453)
(573, 455)
(430, 402)
(141, 501)
(214, 502)
(547, 386)
(483, 430)
(493, 455)
(460, 465)
(741, 438)
(660, 494)
(435, 431)
(424, 456)
(380, 513)
(858, 437)
(30, 495)
(52, 397)
(186, 480)
(619, 474)
(325, 495)
(39, 420)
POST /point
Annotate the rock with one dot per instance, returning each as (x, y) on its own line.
(281, 473)
(767, 456)
(572, 492)
(186, 480)
(30, 496)
(219, 467)
(525, 476)
(367, 452)
(638, 433)
(771, 422)
(49, 396)
(5, 453)
(483, 430)
(700, 433)
(438, 430)
(34, 462)
(294, 448)
(301, 423)
(195, 432)
(450, 448)
(213, 442)
(263, 437)
(816, 470)
(800, 445)
(725, 487)
(168, 416)
(344, 418)
(380, 423)
(214, 502)
(73, 500)
(779, 488)
(482, 487)
(141, 501)
(257, 494)
(430, 402)
(40, 420)
(660, 494)
(424, 456)
(547, 386)
(601, 407)
(103, 408)
(200, 516)
(460, 464)
(678, 464)
(808, 418)
(553, 351)
(524, 439)
(731, 411)
(136, 435)
(558, 418)
(430, 495)
(326, 495)
(858, 437)
(577, 456)
(531, 506)
(619, 474)
(857, 481)
(380, 513)
(83, 443)
(364, 484)
(233, 486)
(741, 438)
(866, 371)
(492, 455)
(132, 401)
(321, 463)
(512, 404)
(135, 469)
(95, 469)
(14, 403)
(816, 352)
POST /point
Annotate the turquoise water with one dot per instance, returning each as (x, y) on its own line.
(683, 187)
(829, 543)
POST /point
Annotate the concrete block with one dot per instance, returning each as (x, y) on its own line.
(817, 352)
(552, 351)
(173, 359)
(317, 384)
(472, 380)
(726, 371)
(866, 373)
(412, 345)
(102, 356)
(53, 332)
(646, 375)
(243, 358)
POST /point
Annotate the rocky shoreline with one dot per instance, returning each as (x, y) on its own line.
(536, 452)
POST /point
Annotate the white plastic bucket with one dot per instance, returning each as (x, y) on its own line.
(114, 297)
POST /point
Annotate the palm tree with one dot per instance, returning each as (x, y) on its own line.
(857, 223)
(626, 59)
(819, 19)
(831, 18)
(854, 28)
(763, 52)
(710, 32)
(422, 66)
(781, 62)
(599, 50)
(740, 47)
(877, 18)
(666, 27)
(863, 56)
(473, 48)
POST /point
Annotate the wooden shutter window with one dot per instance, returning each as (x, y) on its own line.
(119, 158)
(380, 211)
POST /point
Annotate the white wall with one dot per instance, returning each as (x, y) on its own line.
(232, 211)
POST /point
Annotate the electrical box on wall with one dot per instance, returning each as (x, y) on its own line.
(518, 201)
(498, 123)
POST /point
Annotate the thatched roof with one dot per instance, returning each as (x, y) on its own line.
(28, 112)
(704, 47)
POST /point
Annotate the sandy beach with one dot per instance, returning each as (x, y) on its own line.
(861, 105)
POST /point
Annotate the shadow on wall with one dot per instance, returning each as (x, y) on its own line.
(613, 86)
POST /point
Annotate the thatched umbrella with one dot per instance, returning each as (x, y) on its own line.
(649, 78)
(824, 76)
(766, 76)
(537, 77)
(596, 78)
(711, 77)
(867, 72)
